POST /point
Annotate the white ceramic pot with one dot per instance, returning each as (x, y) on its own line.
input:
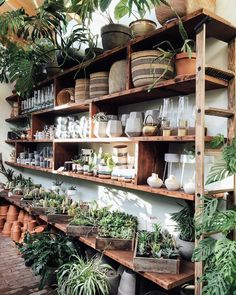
(119, 160)
(134, 115)
(120, 150)
(172, 158)
(113, 279)
(100, 129)
(134, 127)
(124, 118)
(185, 248)
(127, 283)
(189, 187)
(172, 183)
(154, 181)
(114, 128)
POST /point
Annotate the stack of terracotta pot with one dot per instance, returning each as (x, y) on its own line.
(3, 215)
(12, 215)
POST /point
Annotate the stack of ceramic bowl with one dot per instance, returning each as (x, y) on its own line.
(119, 156)
(21, 216)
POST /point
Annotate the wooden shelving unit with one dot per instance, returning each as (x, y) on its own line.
(151, 150)
(166, 281)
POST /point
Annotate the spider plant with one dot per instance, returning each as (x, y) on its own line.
(83, 278)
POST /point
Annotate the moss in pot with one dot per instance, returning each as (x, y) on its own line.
(185, 226)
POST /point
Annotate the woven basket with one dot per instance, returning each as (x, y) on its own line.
(146, 68)
(65, 96)
(117, 76)
(98, 84)
(81, 90)
(182, 7)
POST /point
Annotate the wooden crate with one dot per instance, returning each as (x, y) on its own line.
(114, 244)
(59, 218)
(39, 210)
(16, 198)
(158, 265)
(81, 231)
(25, 203)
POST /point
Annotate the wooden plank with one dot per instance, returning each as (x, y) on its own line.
(200, 134)
(114, 244)
(223, 74)
(59, 218)
(81, 231)
(29, 167)
(232, 121)
(219, 112)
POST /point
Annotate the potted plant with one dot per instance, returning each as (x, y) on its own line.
(106, 165)
(116, 231)
(56, 185)
(156, 252)
(83, 277)
(140, 26)
(78, 165)
(45, 253)
(100, 124)
(72, 192)
(184, 220)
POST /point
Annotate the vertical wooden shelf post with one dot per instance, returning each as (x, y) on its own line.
(200, 136)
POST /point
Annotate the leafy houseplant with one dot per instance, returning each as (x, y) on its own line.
(45, 253)
(225, 166)
(218, 255)
(57, 185)
(185, 226)
(83, 277)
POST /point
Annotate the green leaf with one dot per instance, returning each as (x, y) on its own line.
(204, 250)
(121, 9)
(104, 4)
(218, 172)
(217, 141)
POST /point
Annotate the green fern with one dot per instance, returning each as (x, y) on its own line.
(204, 250)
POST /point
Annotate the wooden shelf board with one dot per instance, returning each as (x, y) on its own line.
(29, 141)
(173, 87)
(219, 112)
(65, 109)
(166, 281)
(131, 186)
(16, 119)
(187, 138)
(36, 168)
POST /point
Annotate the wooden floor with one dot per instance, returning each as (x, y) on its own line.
(15, 277)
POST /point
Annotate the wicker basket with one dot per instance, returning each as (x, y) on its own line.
(98, 84)
(81, 90)
(182, 7)
(65, 96)
(146, 68)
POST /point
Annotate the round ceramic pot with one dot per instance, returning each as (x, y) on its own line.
(172, 183)
(4, 209)
(6, 232)
(134, 127)
(114, 128)
(185, 248)
(154, 181)
(142, 27)
(134, 115)
(100, 129)
(189, 187)
(113, 279)
(124, 118)
(184, 64)
(114, 35)
(13, 210)
(16, 233)
(120, 150)
(12, 217)
(21, 215)
(127, 283)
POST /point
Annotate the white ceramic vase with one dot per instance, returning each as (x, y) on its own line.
(189, 187)
(100, 129)
(154, 181)
(127, 283)
(134, 127)
(114, 128)
(172, 183)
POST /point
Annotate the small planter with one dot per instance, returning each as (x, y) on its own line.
(157, 265)
(142, 27)
(99, 84)
(114, 35)
(114, 244)
(114, 128)
(26, 203)
(185, 248)
(184, 64)
(81, 231)
(59, 218)
(16, 198)
(100, 129)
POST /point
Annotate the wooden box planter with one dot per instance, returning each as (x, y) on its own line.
(81, 231)
(59, 218)
(25, 203)
(16, 198)
(114, 244)
(39, 210)
(158, 265)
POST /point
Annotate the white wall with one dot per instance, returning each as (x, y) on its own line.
(145, 206)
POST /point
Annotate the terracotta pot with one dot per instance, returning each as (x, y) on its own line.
(31, 225)
(16, 233)
(13, 210)
(142, 27)
(182, 7)
(185, 65)
(6, 232)
(12, 217)
(26, 218)
(31, 218)
(4, 209)
(24, 228)
(21, 215)
(2, 221)
(38, 229)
